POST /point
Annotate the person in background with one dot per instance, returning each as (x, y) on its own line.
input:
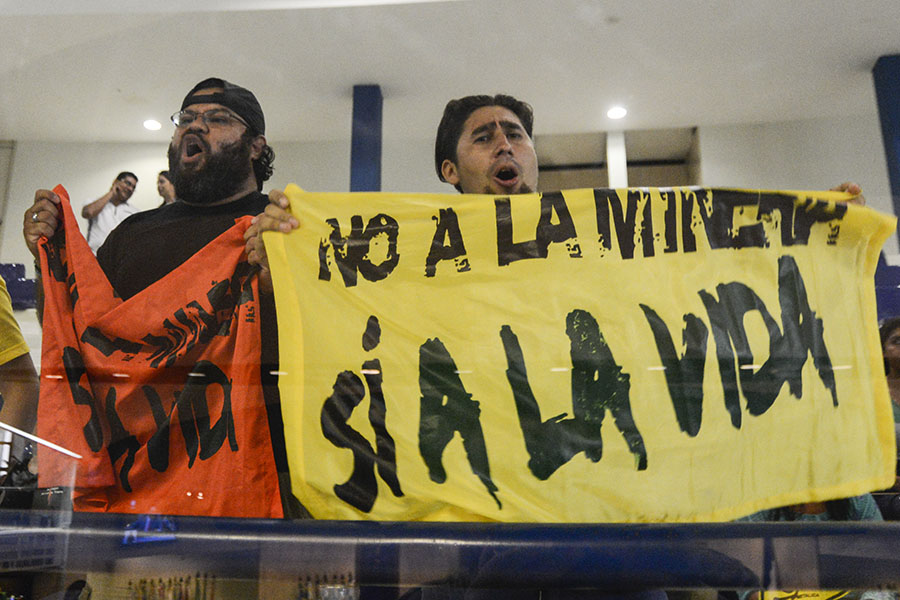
(889, 500)
(18, 379)
(165, 188)
(18, 406)
(890, 347)
(110, 209)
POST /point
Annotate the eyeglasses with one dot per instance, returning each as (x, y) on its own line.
(211, 118)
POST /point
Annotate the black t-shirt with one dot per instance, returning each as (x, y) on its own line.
(149, 245)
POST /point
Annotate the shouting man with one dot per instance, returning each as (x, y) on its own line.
(484, 145)
(218, 161)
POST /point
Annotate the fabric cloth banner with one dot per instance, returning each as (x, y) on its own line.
(159, 394)
(817, 595)
(580, 356)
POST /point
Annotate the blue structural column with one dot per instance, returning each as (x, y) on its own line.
(887, 90)
(365, 145)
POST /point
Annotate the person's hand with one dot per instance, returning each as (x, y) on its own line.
(852, 189)
(275, 218)
(118, 192)
(41, 219)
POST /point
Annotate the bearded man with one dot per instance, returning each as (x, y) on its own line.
(218, 161)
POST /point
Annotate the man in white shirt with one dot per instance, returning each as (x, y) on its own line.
(110, 209)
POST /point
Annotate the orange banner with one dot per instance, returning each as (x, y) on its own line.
(160, 394)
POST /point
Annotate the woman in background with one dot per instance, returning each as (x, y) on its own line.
(165, 188)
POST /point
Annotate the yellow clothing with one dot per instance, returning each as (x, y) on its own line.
(12, 344)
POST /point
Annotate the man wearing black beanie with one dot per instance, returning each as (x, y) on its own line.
(218, 161)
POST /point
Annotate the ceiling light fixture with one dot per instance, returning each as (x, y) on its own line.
(616, 112)
(152, 125)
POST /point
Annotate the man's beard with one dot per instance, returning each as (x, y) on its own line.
(223, 174)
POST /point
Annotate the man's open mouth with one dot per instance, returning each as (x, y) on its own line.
(506, 174)
(193, 146)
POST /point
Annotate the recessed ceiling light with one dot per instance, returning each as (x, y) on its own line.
(152, 125)
(616, 112)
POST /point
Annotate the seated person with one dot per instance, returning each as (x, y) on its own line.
(889, 500)
(18, 379)
(890, 347)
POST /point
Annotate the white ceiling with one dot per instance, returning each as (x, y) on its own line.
(94, 70)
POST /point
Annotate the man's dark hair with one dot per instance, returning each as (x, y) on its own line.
(121, 176)
(262, 166)
(455, 114)
(166, 175)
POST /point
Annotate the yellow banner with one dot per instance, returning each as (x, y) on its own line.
(805, 594)
(581, 356)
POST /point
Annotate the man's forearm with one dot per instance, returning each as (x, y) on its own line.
(19, 388)
(93, 209)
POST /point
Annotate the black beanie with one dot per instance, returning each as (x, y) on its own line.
(240, 100)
